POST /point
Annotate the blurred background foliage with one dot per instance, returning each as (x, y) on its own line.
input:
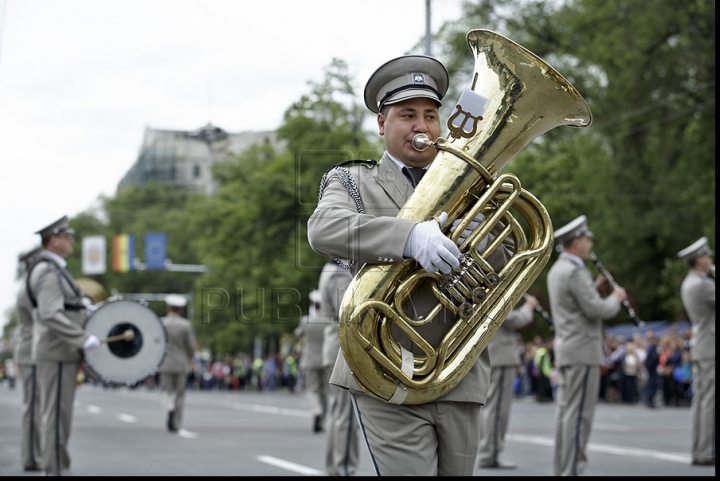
(643, 172)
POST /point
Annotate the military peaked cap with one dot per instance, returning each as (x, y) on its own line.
(405, 78)
(696, 249)
(575, 228)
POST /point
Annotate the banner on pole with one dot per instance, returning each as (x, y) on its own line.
(155, 250)
(94, 255)
(123, 252)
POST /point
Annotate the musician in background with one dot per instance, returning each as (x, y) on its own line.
(342, 450)
(495, 414)
(58, 341)
(698, 297)
(30, 448)
(578, 311)
(310, 329)
(175, 366)
(356, 220)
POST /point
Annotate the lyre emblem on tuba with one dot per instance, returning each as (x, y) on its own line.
(514, 97)
(472, 113)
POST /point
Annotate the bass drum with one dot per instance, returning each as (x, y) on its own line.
(125, 362)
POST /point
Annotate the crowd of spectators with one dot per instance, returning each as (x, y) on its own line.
(647, 369)
(243, 373)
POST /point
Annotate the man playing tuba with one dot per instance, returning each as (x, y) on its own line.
(355, 220)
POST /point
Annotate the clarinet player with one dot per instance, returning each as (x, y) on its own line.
(578, 311)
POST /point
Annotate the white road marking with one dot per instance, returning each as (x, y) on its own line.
(265, 409)
(127, 418)
(184, 433)
(94, 409)
(288, 465)
(612, 427)
(607, 448)
(258, 408)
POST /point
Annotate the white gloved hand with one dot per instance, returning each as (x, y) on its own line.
(431, 248)
(91, 343)
(469, 230)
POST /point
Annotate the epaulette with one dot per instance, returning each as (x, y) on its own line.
(368, 163)
(347, 180)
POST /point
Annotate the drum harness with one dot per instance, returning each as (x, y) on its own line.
(77, 294)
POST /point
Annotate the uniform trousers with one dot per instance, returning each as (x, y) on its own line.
(31, 418)
(172, 387)
(495, 414)
(343, 434)
(56, 381)
(577, 396)
(432, 439)
(316, 389)
(702, 410)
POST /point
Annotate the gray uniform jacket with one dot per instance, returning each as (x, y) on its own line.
(332, 285)
(336, 229)
(503, 346)
(181, 344)
(58, 333)
(698, 296)
(23, 341)
(578, 313)
(311, 329)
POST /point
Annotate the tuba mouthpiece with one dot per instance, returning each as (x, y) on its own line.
(421, 142)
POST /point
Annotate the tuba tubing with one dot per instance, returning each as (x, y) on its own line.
(523, 97)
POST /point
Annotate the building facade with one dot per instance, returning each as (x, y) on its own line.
(184, 158)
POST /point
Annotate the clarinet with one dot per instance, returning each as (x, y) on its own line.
(626, 304)
(545, 314)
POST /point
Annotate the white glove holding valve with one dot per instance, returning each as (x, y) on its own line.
(91, 343)
(469, 230)
(431, 248)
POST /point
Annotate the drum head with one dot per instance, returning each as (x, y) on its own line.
(125, 361)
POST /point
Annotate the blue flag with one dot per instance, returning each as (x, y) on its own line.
(155, 250)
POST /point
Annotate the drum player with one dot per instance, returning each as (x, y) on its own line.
(58, 341)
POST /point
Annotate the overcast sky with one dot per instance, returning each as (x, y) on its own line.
(80, 80)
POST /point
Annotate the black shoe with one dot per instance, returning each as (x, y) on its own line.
(708, 462)
(171, 422)
(498, 465)
(317, 425)
(32, 468)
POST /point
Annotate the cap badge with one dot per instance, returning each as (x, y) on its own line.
(418, 78)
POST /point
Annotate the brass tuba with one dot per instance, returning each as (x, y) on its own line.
(514, 97)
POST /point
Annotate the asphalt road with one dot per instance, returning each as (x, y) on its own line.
(121, 432)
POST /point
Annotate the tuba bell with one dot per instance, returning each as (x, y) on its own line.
(514, 97)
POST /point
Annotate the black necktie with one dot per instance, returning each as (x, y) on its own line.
(414, 174)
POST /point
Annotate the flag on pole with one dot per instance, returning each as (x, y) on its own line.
(123, 252)
(93, 255)
(155, 250)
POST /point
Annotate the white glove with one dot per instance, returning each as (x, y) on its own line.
(91, 343)
(431, 248)
(469, 230)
